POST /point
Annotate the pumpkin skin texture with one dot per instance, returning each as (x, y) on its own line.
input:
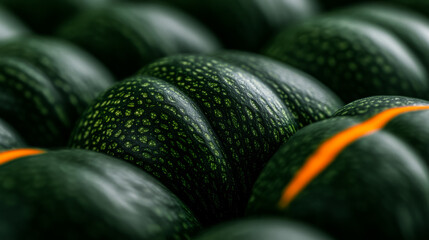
(70, 194)
(376, 187)
(138, 34)
(9, 138)
(45, 85)
(409, 26)
(307, 99)
(155, 126)
(260, 229)
(353, 57)
(204, 124)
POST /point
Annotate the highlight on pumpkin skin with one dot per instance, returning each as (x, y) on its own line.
(10, 155)
(331, 148)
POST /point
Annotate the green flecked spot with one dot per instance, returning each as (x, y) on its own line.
(131, 104)
(143, 139)
(118, 133)
(139, 112)
(146, 122)
(228, 102)
(152, 143)
(147, 156)
(103, 146)
(127, 145)
(136, 149)
(218, 113)
(129, 123)
(161, 138)
(109, 132)
(175, 125)
(159, 97)
(164, 116)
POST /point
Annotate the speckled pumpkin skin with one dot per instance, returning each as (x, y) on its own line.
(376, 188)
(70, 194)
(354, 57)
(204, 125)
(45, 85)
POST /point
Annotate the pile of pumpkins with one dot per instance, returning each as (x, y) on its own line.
(217, 119)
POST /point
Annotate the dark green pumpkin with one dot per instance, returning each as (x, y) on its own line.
(204, 124)
(44, 16)
(247, 24)
(377, 187)
(125, 37)
(77, 194)
(152, 124)
(45, 86)
(261, 229)
(9, 138)
(354, 57)
(409, 26)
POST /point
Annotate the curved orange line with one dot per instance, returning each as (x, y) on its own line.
(329, 150)
(18, 153)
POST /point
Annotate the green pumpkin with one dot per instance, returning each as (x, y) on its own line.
(247, 24)
(125, 37)
(78, 194)
(205, 125)
(351, 176)
(359, 53)
(45, 84)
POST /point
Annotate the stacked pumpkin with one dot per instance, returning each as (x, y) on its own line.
(189, 135)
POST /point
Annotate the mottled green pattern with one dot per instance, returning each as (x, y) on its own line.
(138, 34)
(9, 138)
(66, 78)
(407, 25)
(262, 229)
(249, 118)
(368, 107)
(77, 194)
(354, 58)
(152, 124)
(376, 188)
(307, 99)
(31, 104)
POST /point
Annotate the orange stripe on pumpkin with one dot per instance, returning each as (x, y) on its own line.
(329, 150)
(18, 153)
